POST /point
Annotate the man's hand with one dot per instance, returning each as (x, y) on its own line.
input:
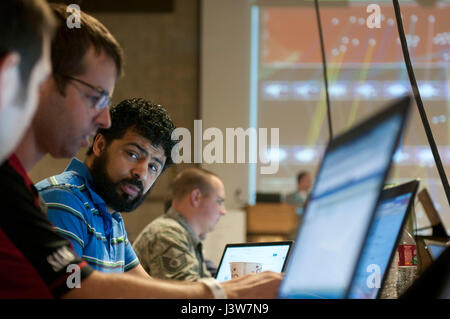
(264, 285)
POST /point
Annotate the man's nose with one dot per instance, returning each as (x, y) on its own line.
(139, 170)
(103, 119)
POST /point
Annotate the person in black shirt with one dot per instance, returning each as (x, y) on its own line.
(33, 258)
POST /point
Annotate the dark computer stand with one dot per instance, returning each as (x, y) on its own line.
(438, 229)
(438, 233)
(434, 282)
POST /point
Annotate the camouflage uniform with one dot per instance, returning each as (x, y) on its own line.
(168, 248)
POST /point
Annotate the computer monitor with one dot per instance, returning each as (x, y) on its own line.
(272, 256)
(385, 232)
(341, 206)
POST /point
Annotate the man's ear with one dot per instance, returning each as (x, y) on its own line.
(99, 144)
(196, 196)
(9, 78)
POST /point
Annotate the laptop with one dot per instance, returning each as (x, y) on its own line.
(341, 206)
(272, 256)
(385, 232)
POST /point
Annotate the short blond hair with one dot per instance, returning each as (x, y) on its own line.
(190, 179)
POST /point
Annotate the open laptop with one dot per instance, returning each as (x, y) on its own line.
(341, 206)
(272, 255)
(385, 232)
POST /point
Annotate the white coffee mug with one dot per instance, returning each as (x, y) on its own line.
(239, 269)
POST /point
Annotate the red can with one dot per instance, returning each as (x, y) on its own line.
(407, 255)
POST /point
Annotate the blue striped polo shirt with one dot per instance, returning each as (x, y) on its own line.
(80, 215)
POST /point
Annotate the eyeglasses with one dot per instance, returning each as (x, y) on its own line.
(98, 102)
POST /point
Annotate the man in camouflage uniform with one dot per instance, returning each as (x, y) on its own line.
(170, 247)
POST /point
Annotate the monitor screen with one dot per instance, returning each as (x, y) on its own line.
(272, 257)
(379, 246)
(339, 212)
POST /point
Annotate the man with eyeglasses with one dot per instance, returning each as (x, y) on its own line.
(170, 247)
(74, 102)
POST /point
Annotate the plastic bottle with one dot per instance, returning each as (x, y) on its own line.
(389, 288)
(407, 262)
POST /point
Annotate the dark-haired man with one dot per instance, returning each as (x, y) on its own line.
(299, 199)
(121, 166)
(84, 202)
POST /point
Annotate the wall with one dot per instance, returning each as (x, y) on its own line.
(225, 83)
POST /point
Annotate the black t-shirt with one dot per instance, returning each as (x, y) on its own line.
(35, 261)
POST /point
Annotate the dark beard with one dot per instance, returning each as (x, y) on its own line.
(111, 192)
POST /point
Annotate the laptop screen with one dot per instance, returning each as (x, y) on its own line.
(272, 256)
(340, 210)
(381, 242)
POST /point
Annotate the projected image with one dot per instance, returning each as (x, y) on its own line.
(286, 41)
(348, 90)
(366, 72)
